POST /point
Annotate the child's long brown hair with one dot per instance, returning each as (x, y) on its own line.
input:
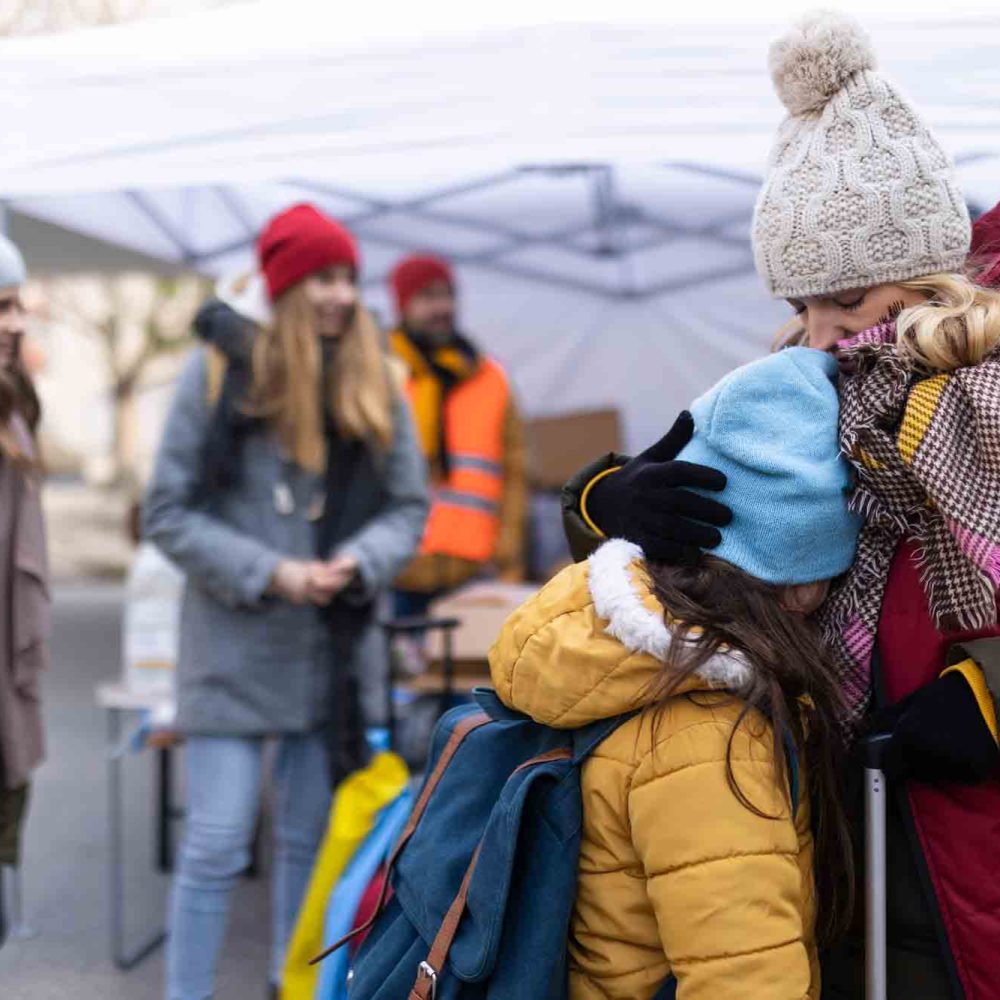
(18, 395)
(287, 368)
(792, 684)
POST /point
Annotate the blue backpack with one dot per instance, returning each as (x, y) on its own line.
(484, 874)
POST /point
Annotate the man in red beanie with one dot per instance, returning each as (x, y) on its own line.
(471, 434)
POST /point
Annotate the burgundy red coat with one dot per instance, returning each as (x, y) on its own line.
(957, 827)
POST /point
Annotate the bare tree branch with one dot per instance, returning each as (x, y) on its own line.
(134, 320)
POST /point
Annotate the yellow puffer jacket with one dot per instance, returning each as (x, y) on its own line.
(676, 876)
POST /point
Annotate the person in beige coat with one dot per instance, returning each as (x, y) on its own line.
(24, 596)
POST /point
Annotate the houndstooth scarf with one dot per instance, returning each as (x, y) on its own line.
(926, 450)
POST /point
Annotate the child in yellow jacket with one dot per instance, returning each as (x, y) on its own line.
(696, 864)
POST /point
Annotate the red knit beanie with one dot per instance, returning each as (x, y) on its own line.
(413, 274)
(300, 241)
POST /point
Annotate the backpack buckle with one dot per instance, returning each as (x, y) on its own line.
(426, 973)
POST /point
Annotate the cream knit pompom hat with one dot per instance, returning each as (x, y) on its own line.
(858, 192)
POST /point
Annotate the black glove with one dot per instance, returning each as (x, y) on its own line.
(649, 502)
(938, 734)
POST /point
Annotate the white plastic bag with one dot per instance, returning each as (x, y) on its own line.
(151, 626)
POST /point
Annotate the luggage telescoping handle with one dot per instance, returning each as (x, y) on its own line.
(418, 625)
(876, 984)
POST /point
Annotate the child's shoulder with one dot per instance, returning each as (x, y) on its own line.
(688, 731)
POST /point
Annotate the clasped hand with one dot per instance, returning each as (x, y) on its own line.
(301, 581)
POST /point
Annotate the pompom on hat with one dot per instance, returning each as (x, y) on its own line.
(858, 191)
(816, 58)
(300, 241)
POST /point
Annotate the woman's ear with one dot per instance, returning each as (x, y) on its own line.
(803, 598)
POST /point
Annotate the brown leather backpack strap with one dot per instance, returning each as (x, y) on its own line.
(425, 985)
(469, 724)
(544, 758)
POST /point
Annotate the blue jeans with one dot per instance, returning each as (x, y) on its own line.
(223, 800)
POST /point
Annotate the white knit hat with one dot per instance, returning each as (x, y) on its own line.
(858, 192)
(12, 269)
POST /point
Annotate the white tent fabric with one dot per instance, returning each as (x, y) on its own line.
(593, 182)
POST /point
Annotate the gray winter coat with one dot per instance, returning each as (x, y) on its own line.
(251, 664)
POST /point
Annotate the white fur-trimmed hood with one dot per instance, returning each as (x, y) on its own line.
(638, 627)
(591, 645)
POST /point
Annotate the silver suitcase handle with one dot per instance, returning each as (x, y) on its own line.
(876, 978)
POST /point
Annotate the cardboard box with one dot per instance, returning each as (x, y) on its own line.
(482, 608)
(560, 446)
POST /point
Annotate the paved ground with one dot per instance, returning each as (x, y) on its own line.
(66, 857)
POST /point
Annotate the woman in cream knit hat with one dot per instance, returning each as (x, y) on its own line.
(861, 226)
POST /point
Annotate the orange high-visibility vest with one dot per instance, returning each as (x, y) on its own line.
(465, 508)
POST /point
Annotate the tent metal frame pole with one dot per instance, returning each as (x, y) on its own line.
(607, 223)
(487, 261)
(714, 232)
(745, 178)
(571, 284)
(693, 281)
(234, 205)
(611, 221)
(517, 238)
(610, 218)
(381, 205)
(159, 219)
(502, 267)
(416, 207)
(512, 243)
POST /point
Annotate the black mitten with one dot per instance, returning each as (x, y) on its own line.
(649, 501)
(939, 733)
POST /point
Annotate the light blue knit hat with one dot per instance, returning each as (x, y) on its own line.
(771, 427)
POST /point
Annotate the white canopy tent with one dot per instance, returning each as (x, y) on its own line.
(592, 181)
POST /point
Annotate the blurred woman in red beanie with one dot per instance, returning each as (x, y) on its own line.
(290, 488)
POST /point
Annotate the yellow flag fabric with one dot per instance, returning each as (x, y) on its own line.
(356, 805)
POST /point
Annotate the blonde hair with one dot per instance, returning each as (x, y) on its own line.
(288, 366)
(957, 326)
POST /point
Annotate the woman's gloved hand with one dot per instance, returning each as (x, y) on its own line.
(649, 501)
(939, 733)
